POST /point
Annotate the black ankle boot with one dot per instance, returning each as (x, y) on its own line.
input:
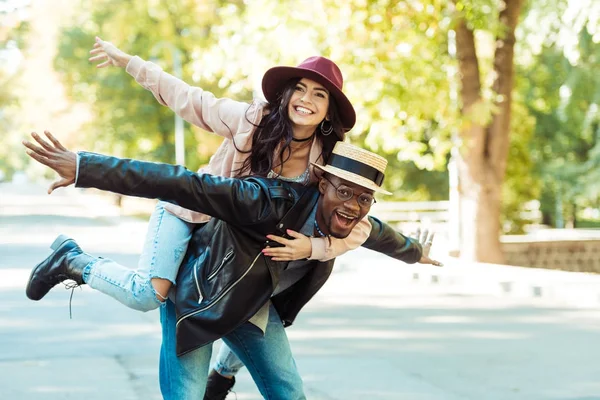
(218, 386)
(66, 262)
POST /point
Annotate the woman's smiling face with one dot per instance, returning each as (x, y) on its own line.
(309, 104)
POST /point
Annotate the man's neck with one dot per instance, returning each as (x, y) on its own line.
(320, 229)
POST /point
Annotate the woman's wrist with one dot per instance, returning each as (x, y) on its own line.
(124, 60)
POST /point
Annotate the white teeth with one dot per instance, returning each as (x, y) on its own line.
(346, 216)
(303, 110)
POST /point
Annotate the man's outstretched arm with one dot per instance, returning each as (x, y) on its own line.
(232, 200)
(384, 239)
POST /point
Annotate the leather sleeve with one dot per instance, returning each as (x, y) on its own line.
(236, 201)
(384, 239)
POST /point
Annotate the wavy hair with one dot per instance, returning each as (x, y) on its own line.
(276, 127)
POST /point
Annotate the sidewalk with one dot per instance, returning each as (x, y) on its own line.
(468, 278)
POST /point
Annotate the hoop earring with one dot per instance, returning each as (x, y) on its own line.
(326, 132)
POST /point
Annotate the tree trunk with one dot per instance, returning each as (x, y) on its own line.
(484, 149)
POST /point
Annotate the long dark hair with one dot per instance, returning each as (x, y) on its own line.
(276, 127)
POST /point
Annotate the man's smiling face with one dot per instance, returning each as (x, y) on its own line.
(338, 217)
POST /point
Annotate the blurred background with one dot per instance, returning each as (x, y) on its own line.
(485, 108)
(487, 111)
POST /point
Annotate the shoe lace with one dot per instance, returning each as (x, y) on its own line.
(72, 285)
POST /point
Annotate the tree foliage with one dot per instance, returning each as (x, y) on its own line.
(398, 73)
(563, 94)
(13, 32)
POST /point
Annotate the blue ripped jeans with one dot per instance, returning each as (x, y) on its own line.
(267, 356)
(165, 245)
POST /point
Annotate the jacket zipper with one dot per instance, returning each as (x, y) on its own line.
(200, 297)
(215, 301)
(225, 259)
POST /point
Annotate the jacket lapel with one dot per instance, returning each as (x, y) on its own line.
(297, 215)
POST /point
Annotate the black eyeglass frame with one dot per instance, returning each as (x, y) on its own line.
(337, 193)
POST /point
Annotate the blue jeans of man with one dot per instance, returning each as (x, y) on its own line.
(267, 356)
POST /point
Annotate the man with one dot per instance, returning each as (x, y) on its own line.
(226, 280)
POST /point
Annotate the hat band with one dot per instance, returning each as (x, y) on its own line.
(356, 167)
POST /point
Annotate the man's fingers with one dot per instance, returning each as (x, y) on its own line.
(55, 141)
(49, 149)
(437, 263)
(97, 49)
(423, 237)
(32, 146)
(430, 239)
(60, 183)
(35, 150)
(39, 158)
(426, 260)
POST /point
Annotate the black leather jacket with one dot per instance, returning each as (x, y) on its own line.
(224, 279)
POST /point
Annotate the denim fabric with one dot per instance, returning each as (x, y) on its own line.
(268, 358)
(184, 377)
(165, 245)
(227, 363)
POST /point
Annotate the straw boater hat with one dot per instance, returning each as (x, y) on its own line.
(318, 69)
(356, 165)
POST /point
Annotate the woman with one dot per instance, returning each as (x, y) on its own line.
(299, 124)
(305, 114)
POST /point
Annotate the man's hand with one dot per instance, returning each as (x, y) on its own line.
(55, 156)
(298, 248)
(426, 241)
(109, 54)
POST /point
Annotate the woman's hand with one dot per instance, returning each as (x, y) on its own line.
(107, 51)
(426, 240)
(55, 156)
(298, 248)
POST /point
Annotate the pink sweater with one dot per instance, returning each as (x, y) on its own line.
(229, 119)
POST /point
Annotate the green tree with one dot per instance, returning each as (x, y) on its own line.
(485, 133)
(399, 75)
(563, 95)
(13, 31)
(127, 117)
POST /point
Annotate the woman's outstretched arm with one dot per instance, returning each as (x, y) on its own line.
(223, 116)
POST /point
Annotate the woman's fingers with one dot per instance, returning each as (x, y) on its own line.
(104, 64)
(102, 56)
(277, 253)
(294, 234)
(278, 239)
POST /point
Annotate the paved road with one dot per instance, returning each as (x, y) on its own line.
(374, 332)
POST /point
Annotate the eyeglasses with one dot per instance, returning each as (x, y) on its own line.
(345, 193)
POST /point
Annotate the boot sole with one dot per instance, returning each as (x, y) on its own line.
(58, 242)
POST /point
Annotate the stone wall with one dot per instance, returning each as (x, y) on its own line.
(572, 254)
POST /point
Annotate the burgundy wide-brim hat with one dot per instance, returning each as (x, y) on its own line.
(318, 69)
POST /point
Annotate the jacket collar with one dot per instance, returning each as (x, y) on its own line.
(299, 213)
